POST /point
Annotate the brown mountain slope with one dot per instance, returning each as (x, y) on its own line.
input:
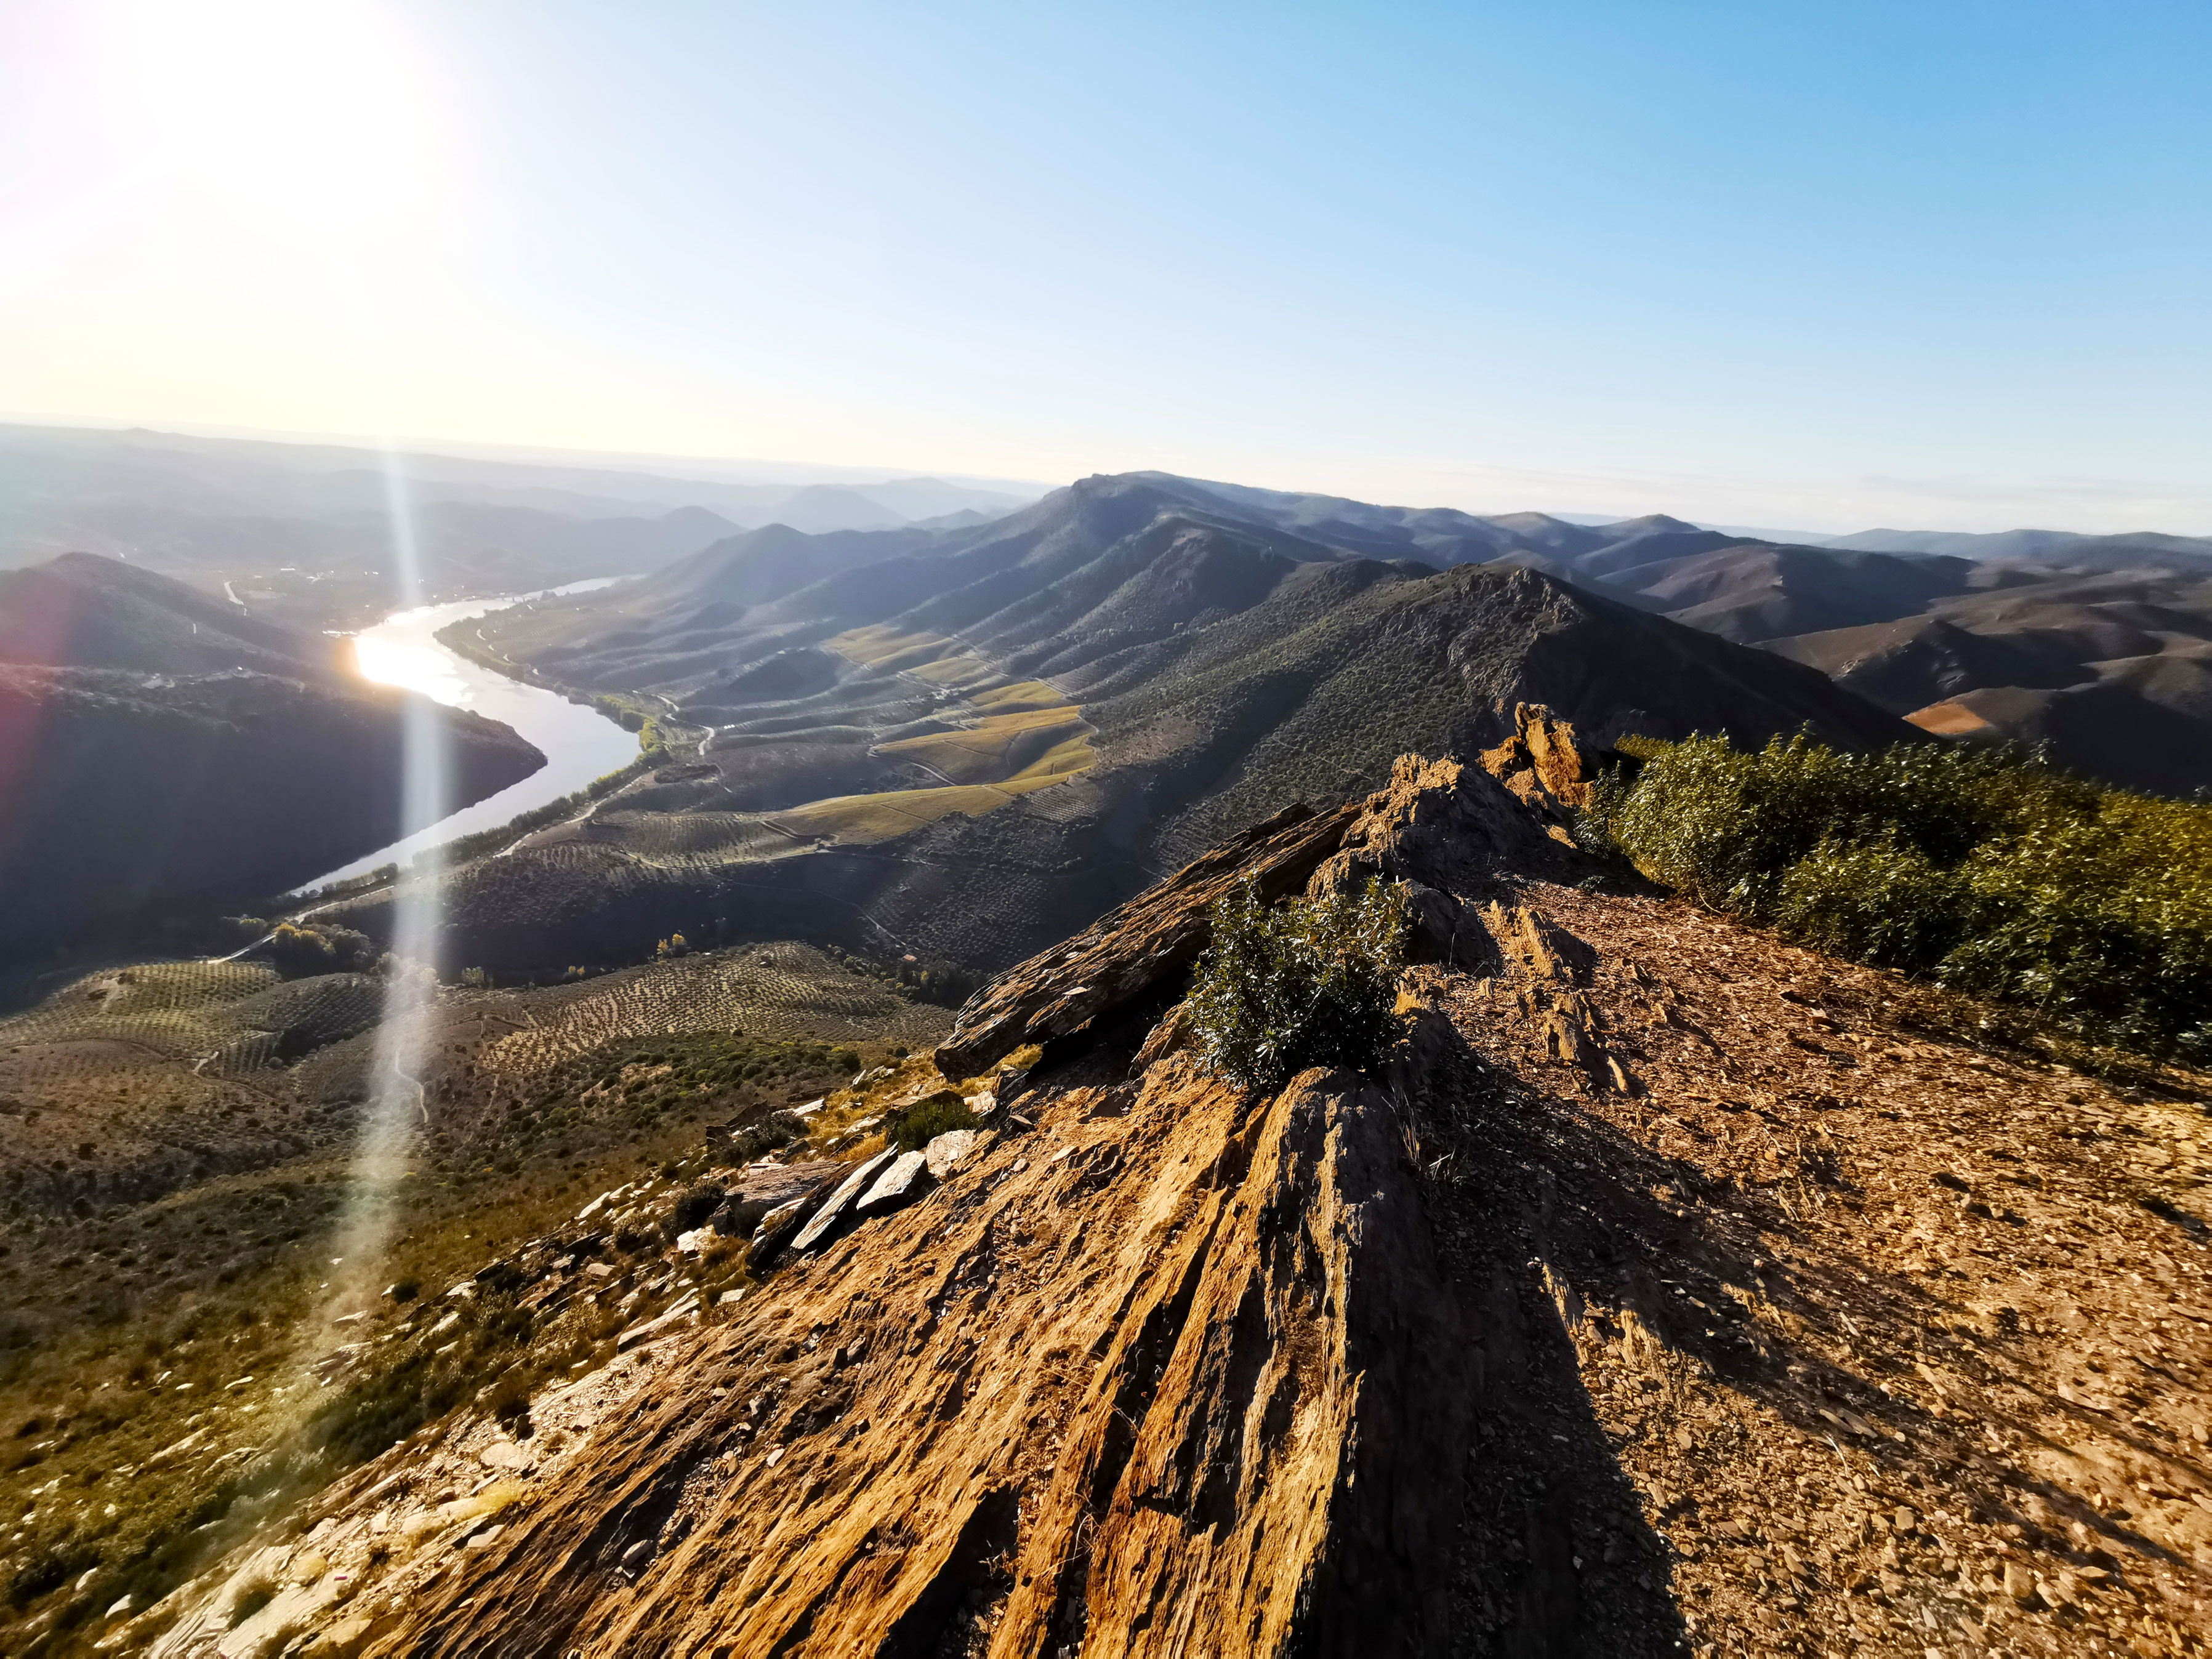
(2112, 670)
(974, 796)
(1669, 1288)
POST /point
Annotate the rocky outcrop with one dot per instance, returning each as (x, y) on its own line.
(1170, 1375)
(1542, 763)
(765, 1188)
(1138, 946)
(1450, 827)
(1444, 827)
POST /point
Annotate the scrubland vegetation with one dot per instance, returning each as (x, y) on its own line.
(1990, 873)
(176, 1171)
(1304, 982)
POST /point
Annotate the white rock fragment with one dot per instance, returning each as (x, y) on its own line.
(944, 1151)
(834, 1210)
(906, 1179)
(636, 1335)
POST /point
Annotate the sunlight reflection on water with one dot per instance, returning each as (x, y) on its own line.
(580, 743)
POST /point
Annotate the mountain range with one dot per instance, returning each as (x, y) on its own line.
(1650, 1284)
(304, 531)
(963, 743)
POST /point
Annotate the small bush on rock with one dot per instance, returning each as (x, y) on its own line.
(700, 1200)
(926, 1119)
(1305, 983)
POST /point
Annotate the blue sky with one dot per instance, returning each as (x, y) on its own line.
(1819, 266)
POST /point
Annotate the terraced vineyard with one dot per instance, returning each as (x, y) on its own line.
(173, 1008)
(781, 991)
(1018, 737)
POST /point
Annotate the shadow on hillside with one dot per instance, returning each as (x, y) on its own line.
(1557, 1556)
(1547, 1214)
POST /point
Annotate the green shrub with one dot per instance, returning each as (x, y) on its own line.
(926, 1119)
(699, 1201)
(251, 1597)
(1986, 871)
(1305, 983)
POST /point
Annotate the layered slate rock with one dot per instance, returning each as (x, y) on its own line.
(906, 1179)
(1184, 1389)
(838, 1206)
(1137, 946)
(765, 1188)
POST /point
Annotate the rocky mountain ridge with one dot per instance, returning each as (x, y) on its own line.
(1667, 1288)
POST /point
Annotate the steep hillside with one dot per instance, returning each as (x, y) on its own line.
(161, 751)
(183, 1158)
(83, 611)
(1664, 1289)
(1754, 593)
(2112, 670)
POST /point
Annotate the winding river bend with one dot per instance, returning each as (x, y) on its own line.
(580, 743)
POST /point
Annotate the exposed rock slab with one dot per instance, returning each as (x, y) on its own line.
(766, 1186)
(1182, 1389)
(906, 1179)
(1136, 946)
(944, 1151)
(835, 1207)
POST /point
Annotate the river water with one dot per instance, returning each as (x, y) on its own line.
(580, 744)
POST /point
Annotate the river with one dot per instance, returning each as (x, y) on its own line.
(580, 743)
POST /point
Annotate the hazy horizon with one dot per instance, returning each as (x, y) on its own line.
(1875, 269)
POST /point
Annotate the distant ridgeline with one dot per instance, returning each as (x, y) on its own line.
(961, 744)
(160, 751)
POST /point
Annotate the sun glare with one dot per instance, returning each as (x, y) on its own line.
(413, 667)
(311, 112)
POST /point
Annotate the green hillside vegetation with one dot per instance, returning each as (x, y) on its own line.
(1991, 873)
(988, 750)
(858, 819)
(178, 1168)
(1026, 736)
(896, 731)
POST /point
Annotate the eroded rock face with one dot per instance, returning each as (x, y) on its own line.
(1446, 827)
(1450, 827)
(1542, 763)
(1169, 1375)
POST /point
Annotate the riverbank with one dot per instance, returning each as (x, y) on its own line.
(584, 741)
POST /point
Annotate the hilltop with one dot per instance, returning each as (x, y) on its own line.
(1664, 1287)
